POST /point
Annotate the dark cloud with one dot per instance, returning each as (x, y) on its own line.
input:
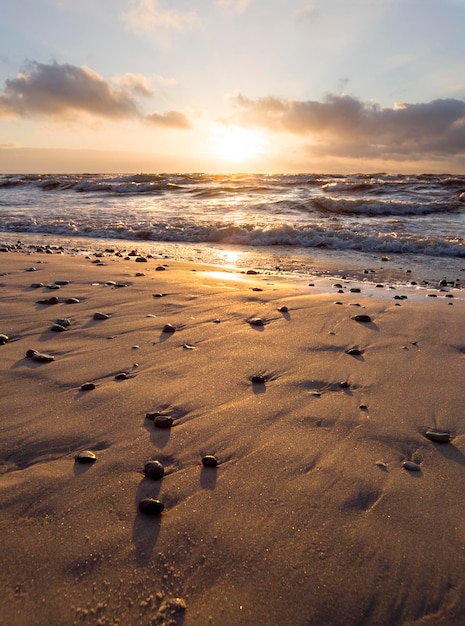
(170, 119)
(345, 126)
(67, 91)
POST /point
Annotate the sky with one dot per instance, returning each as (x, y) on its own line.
(332, 86)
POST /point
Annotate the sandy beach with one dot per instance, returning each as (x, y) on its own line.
(309, 517)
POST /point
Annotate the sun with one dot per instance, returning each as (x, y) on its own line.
(236, 144)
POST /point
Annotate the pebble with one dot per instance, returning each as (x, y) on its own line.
(362, 318)
(121, 376)
(141, 259)
(209, 461)
(160, 268)
(150, 506)
(110, 283)
(72, 301)
(86, 457)
(63, 321)
(251, 272)
(87, 386)
(52, 300)
(258, 379)
(36, 285)
(438, 436)
(53, 286)
(39, 356)
(188, 346)
(168, 328)
(256, 321)
(163, 421)
(283, 309)
(344, 384)
(151, 415)
(257, 289)
(355, 290)
(61, 283)
(158, 295)
(101, 316)
(355, 352)
(154, 469)
(411, 466)
(58, 328)
(3, 340)
(31, 269)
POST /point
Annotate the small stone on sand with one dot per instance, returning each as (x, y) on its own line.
(354, 352)
(72, 301)
(87, 386)
(86, 457)
(168, 328)
(3, 340)
(411, 466)
(362, 318)
(58, 328)
(151, 415)
(62, 283)
(283, 309)
(438, 436)
(52, 300)
(163, 421)
(256, 321)
(36, 285)
(101, 316)
(209, 461)
(121, 376)
(151, 506)
(257, 379)
(39, 356)
(154, 469)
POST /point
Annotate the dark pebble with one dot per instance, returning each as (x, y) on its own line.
(258, 379)
(53, 286)
(283, 309)
(154, 469)
(411, 466)
(168, 328)
(62, 283)
(52, 300)
(39, 356)
(121, 376)
(337, 286)
(160, 268)
(362, 318)
(72, 301)
(355, 352)
(86, 457)
(58, 328)
(151, 415)
(141, 259)
(209, 461)
(150, 506)
(257, 289)
(355, 290)
(31, 269)
(87, 386)
(251, 272)
(256, 321)
(438, 436)
(158, 295)
(432, 295)
(36, 285)
(63, 321)
(101, 316)
(344, 384)
(3, 340)
(163, 421)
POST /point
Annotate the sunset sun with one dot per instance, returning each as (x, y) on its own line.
(236, 144)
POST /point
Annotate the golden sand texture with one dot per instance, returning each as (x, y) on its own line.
(309, 517)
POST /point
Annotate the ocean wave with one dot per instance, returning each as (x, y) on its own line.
(378, 207)
(334, 237)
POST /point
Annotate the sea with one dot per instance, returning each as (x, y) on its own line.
(293, 222)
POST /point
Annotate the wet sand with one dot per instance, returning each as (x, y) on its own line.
(310, 516)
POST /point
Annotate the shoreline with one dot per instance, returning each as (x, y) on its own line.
(310, 500)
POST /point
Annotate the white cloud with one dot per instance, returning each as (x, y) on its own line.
(307, 11)
(148, 15)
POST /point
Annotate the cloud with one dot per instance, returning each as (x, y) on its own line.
(170, 119)
(342, 125)
(237, 6)
(66, 92)
(148, 15)
(63, 91)
(305, 12)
